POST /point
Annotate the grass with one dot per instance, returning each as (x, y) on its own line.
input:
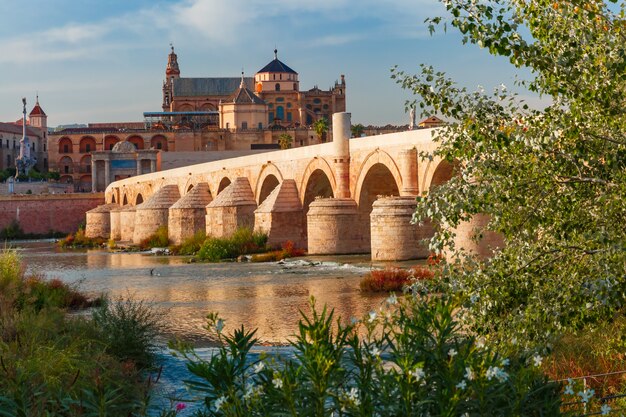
(288, 251)
(244, 241)
(191, 245)
(79, 240)
(52, 364)
(393, 278)
(159, 239)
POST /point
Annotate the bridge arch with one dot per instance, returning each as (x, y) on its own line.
(269, 177)
(317, 164)
(224, 182)
(437, 173)
(138, 199)
(125, 200)
(373, 159)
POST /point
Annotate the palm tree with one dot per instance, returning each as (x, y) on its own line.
(357, 130)
(321, 127)
(285, 140)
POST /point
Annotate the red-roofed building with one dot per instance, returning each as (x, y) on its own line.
(37, 132)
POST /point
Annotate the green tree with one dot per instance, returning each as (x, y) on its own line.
(552, 180)
(285, 140)
(321, 127)
(357, 130)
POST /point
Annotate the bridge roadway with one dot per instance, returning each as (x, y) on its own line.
(346, 196)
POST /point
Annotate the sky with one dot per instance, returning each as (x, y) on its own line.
(104, 60)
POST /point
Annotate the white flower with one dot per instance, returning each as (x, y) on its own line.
(537, 360)
(497, 372)
(585, 396)
(375, 351)
(474, 298)
(461, 385)
(353, 396)
(505, 362)
(219, 402)
(252, 391)
(277, 382)
(392, 299)
(418, 373)
(480, 343)
(372, 316)
(605, 409)
(219, 325)
(354, 320)
(569, 389)
(452, 353)
(258, 367)
(469, 374)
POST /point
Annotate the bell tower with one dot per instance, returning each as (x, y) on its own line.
(172, 71)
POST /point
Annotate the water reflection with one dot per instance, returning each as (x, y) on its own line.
(263, 296)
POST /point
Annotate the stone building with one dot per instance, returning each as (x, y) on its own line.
(276, 84)
(37, 132)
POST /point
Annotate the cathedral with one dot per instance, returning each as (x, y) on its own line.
(271, 98)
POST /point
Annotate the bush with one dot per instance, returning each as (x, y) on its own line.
(288, 251)
(79, 240)
(191, 245)
(393, 278)
(129, 330)
(12, 231)
(413, 359)
(159, 239)
(243, 242)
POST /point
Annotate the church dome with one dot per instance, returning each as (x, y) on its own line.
(123, 147)
(276, 66)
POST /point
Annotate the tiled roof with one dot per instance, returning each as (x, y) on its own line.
(244, 95)
(17, 129)
(208, 86)
(276, 66)
(37, 111)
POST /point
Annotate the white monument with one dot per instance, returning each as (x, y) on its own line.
(24, 162)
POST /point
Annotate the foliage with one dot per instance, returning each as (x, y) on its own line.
(191, 245)
(393, 278)
(413, 360)
(357, 130)
(288, 250)
(553, 181)
(54, 175)
(52, 364)
(80, 240)
(160, 239)
(285, 140)
(129, 329)
(243, 241)
(12, 231)
(320, 126)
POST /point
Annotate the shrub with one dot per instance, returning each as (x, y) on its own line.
(242, 242)
(288, 251)
(191, 245)
(393, 278)
(159, 239)
(12, 231)
(80, 240)
(413, 359)
(129, 329)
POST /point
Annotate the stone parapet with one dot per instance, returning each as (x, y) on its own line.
(99, 221)
(333, 227)
(393, 237)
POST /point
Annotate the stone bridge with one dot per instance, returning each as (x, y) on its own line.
(345, 196)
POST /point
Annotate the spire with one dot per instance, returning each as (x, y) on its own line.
(275, 53)
(243, 84)
(172, 69)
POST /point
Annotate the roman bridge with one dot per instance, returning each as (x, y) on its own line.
(345, 196)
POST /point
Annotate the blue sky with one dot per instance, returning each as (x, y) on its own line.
(104, 61)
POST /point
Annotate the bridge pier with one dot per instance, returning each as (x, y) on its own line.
(154, 213)
(280, 216)
(333, 227)
(116, 225)
(473, 237)
(127, 220)
(98, 221)
(393, 237)
(188, 215)
(232, 208)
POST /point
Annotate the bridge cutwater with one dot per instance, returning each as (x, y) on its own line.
(343, 197)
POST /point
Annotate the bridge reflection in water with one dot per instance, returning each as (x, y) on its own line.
(264, 296)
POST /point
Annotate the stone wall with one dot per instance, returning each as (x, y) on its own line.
(40, 214)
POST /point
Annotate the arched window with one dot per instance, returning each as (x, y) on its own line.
(277, 87)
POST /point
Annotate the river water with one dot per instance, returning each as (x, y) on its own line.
(265, 296)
